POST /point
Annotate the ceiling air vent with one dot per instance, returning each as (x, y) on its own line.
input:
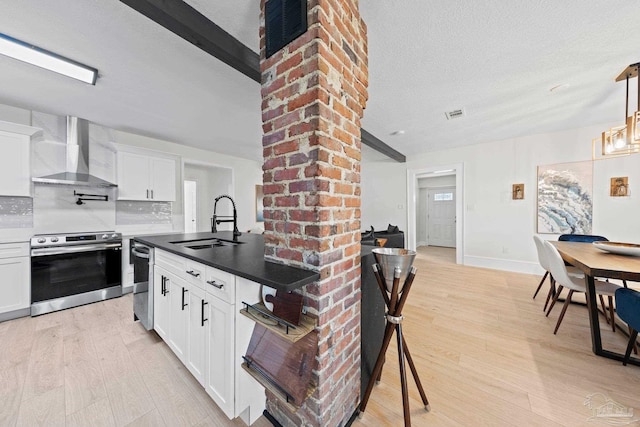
(285, 20)
(454, 114)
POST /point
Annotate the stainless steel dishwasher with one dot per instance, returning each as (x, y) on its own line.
(143, 258)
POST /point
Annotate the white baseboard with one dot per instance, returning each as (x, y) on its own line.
(525, 267)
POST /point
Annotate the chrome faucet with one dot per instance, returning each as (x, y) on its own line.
(215, 221)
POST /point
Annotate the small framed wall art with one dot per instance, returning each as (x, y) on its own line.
(619, 186)
(517, 191)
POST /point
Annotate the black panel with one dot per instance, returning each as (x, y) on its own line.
(372, 321)
(285, 20)
(55, 276)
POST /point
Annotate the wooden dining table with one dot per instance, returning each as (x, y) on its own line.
(594, 262)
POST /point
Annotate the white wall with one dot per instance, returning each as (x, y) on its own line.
(384, 195)
(498, 230)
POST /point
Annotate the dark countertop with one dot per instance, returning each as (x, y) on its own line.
(245, 259)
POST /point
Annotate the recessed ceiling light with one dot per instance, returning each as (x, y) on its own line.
(397, 132)
(559, 87)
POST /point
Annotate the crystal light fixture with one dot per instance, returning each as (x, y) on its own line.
(622, 140)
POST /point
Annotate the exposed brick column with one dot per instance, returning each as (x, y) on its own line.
(313, 95)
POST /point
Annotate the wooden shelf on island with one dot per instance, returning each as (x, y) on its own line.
(269, 385)
(260, 314)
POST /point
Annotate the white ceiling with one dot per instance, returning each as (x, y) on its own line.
(496, 59)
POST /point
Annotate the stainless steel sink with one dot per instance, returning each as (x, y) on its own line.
(205, 243)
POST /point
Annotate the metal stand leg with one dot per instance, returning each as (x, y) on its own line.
(395, 303)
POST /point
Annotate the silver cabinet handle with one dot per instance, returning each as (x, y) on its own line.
(147, 193)
(152, 194)
(214, 284)
(193, 273)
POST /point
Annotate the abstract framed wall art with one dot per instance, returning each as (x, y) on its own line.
(565, 198)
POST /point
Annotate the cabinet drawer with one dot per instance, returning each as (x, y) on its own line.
(170, 262)
(221, 284)
(12, 250)
(194, 273)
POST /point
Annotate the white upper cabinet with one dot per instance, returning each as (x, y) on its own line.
(15, 162)
(144, 177)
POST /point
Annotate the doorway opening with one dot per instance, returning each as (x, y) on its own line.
(435, 208)
(202, 184)
(190, 206)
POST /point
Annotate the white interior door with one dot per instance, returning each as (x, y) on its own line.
(441, 217)
(190, 206)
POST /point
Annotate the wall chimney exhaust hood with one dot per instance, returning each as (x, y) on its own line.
(77, 156)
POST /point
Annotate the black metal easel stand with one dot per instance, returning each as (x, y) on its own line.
(395, 303)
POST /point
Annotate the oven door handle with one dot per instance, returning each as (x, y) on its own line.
(74, 249)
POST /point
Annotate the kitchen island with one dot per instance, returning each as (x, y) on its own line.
(198, 285)
(245, 259)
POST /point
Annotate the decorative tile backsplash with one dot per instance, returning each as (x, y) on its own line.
(131, 212)
(16, 212)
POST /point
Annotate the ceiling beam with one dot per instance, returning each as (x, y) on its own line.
(380, 146)
(186, 22)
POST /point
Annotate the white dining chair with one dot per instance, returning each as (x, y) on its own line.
(542, 259)
(559, 272)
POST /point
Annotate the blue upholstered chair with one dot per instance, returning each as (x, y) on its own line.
(628, 308)
(584, 238)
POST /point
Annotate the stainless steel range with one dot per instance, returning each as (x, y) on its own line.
(68, 270)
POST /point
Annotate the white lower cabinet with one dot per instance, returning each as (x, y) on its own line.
(198, 327)
(15, 270)
(161, 303)
(196, 312)
(220, 369)
(179, 325)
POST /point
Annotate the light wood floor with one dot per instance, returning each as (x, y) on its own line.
(485, 352)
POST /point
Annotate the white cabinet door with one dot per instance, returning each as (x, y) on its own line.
(178, 329)
(15, 284)
(133, 176)
(163, 179)
(161, 302)
(198, 326)
(221, 344)
(15, 166)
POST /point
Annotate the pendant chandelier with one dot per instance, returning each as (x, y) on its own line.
(622, 140)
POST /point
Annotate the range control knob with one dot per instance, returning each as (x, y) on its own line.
(114, 236)
(41, 240)
(54, 239)
(105, 236)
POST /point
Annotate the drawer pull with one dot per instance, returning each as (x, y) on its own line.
(193, 273)
(214, 284)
